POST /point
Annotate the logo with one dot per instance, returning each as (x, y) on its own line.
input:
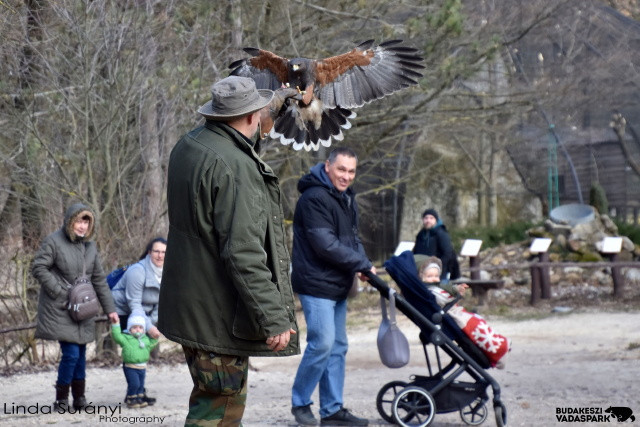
(594, 415)
(621, 413)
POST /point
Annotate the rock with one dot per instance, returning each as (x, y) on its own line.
(537, 231)
(575, 245)
(555, 257)
(627, 244)
(497, 260)
(608, 224)
(561, 309)
(522, 280)
(554, 228)
(573, 270)
(590, 256)
(632, 276)
(561, 241)
(602, 277)
(484, 275)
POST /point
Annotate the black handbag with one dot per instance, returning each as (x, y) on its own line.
(393, 346)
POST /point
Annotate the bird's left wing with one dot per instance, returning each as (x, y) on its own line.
(267, 69)
(366, 73)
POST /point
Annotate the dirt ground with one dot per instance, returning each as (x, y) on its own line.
(587, 358)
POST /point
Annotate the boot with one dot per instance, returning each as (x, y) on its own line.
(141, 402)
(150, 400)
(62, 397)
(132, 401)
(77, 391)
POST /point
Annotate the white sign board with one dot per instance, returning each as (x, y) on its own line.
(471, 247)
(403, 246)
(540, 245)
(612, 245)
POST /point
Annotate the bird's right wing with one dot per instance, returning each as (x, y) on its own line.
(267, 69)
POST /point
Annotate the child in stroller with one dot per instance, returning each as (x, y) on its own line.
(492, 344)
(458, 384)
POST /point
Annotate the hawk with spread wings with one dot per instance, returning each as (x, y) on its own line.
(327, 90)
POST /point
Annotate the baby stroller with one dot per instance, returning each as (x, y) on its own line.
(415, 403)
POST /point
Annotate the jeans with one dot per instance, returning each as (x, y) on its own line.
(135, 380)
(323, 362)
(73, 362)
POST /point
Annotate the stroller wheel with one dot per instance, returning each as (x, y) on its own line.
(413, 407)
(475, 413)
(501, 414)
(385, 397)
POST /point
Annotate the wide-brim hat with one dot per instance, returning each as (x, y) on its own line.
(235, 96)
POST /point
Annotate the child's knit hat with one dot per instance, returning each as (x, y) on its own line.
(137, 318)
(431, 262)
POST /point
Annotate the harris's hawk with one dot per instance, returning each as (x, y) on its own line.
(328, 89)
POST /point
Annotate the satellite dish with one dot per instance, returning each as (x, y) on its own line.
(572, 214)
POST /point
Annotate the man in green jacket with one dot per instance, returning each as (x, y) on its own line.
(226, 292)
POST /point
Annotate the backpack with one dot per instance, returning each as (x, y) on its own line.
(83, 301)
(114, 277)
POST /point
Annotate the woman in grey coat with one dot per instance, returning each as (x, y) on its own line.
(139, 288)
(62, 257)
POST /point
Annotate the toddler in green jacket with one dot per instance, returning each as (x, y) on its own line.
(136, 350)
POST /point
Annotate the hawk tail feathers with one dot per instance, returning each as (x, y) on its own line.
(302, 130)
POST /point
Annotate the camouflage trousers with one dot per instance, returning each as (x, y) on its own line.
(219, 392)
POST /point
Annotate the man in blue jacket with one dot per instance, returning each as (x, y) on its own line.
(327, 254)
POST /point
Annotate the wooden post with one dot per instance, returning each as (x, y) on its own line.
(474, 262)
(545, 279)
(616, 275)
(535, 284)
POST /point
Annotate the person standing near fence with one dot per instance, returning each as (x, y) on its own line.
(62, 257)
(433, 240)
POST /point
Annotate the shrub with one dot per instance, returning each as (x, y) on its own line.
(630, 230)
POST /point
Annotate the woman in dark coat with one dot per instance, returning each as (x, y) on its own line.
(62, 257)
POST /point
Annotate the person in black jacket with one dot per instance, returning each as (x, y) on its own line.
(434, 240)
(327, 254)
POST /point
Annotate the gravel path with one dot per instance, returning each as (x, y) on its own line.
(575, 360)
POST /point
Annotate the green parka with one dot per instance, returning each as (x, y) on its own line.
(131, 350)
(60, 258)
(225, 283)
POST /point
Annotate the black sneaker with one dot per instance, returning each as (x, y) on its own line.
(344, 418)
(304, 416)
